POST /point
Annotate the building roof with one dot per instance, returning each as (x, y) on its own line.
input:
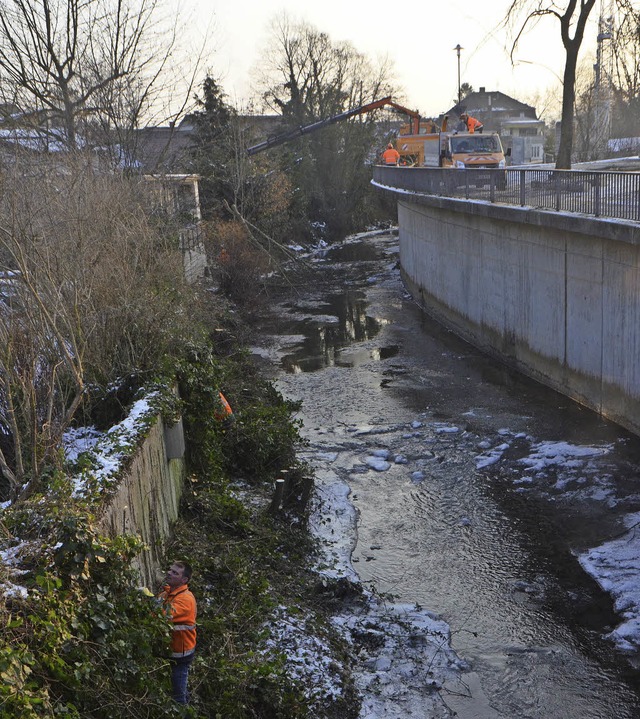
(166, 149)
(492, 105)
(169, 149)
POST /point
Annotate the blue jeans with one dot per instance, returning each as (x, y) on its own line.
(179, 675)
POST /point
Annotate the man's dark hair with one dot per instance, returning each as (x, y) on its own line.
(187, 571)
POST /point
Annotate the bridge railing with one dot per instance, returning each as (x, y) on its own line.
(594, 193)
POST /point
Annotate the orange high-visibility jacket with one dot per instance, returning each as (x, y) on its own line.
(473, 124)
(390, 156)
(179, 605)
(222, 412)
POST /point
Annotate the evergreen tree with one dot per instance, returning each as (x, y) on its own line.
(214, 149)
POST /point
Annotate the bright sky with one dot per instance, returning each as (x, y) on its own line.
(418, 37)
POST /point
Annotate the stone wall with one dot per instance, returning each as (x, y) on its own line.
(148, 498)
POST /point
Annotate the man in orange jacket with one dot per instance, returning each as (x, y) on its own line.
(390, 156)
(472, 124)
(179, 605)
(223, 412)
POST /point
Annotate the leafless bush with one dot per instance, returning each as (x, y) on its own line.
(240, 262)
(93, 290)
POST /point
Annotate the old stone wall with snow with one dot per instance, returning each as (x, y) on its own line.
(147, 497)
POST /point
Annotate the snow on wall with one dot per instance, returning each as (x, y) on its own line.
(147, 499)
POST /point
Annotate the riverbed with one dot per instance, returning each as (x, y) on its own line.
(476, 491)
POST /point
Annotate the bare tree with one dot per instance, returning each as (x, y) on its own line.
(71, 64)
(588, 135)
(626, 51)
(573, 19)
(92, 290)
(306, 77)
(626, 70)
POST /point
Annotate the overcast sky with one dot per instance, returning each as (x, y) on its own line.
(418, 37)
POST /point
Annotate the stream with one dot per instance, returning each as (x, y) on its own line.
(476, 488)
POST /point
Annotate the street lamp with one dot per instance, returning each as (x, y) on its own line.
(457, 48)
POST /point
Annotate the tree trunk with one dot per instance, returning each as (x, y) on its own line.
(572, 48)
(563, 161)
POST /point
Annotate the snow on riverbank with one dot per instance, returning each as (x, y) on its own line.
(403, 651)
(615, 565)
(560, 470)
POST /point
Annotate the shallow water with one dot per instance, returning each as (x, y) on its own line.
(491, 550)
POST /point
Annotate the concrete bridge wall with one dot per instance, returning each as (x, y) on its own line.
(557, 296)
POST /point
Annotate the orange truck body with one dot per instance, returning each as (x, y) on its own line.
(461, 150)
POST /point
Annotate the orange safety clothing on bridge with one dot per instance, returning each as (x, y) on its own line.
(179, 604)
(472, 123)
(390, 156)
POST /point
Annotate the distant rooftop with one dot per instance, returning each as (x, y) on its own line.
(166, 149)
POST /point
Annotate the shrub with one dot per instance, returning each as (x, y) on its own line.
(240, 263)
(263, 437)
(84, 641)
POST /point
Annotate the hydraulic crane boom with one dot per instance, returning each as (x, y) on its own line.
(305, 129)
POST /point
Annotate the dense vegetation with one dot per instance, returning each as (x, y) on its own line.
(87, 642)
(79, 638)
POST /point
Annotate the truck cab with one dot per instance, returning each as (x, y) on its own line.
(473, 151)
(460, 150)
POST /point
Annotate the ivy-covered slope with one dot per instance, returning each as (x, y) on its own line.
(81, 639)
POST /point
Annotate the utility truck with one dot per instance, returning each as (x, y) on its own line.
(420, 143)
(452, 149)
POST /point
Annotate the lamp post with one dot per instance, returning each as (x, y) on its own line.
(457, 48)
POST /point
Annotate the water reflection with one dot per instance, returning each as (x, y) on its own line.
(340, 321)
(357, 357)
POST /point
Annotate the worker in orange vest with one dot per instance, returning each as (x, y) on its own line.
(390, 156)
(222, 411)
(179, 605)
(472, 124)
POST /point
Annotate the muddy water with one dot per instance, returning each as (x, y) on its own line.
(409, 416)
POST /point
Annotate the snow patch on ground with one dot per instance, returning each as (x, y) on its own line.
(615, 565)
(380, 465)
(552, 454)
(405, 658)
(404, 651)
(309, 657)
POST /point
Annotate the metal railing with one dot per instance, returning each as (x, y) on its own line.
(593, 193)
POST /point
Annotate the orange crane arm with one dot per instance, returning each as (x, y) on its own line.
(299, 131)
(413, 114)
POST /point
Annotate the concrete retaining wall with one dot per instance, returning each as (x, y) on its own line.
(556, 296)
(148, 497)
